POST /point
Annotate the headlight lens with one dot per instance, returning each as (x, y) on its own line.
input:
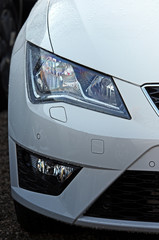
(52, 78)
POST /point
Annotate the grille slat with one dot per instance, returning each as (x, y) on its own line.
(152, 93)
(133, 196)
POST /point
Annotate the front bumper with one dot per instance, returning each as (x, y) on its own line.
(103, 145)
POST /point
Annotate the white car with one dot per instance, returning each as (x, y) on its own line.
(84, 114)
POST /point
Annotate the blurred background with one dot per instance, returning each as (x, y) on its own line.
(13, 14)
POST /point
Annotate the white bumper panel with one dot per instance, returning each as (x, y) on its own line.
(80, 193)
(124, 142)
(111, 224)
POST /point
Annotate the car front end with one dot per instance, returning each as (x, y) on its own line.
(83, 114)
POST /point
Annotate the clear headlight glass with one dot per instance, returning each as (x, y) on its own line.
(52, 78)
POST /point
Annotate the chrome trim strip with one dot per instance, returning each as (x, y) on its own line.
(148, 96)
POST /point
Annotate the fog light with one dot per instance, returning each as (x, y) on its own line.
(43, 175)
(61, 172)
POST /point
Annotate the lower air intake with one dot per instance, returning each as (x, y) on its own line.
(43, 175)
(133, 196)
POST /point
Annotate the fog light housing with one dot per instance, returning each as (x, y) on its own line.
(43, 175)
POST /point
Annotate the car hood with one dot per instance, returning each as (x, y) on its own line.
(120, 38)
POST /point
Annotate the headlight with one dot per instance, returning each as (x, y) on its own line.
(52, 78)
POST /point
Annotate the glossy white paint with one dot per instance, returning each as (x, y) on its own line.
(37, 25)
(105, 146)
(119, 38)
(82, 126)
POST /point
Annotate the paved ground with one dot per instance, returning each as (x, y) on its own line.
(10, 229)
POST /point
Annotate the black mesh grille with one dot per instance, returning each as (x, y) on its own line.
(154, 94)
(133, 196)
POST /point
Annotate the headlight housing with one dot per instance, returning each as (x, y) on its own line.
(52, 78)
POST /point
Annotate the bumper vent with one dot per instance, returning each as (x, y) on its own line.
(133, 196)
(31, 179)
(152, 94)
